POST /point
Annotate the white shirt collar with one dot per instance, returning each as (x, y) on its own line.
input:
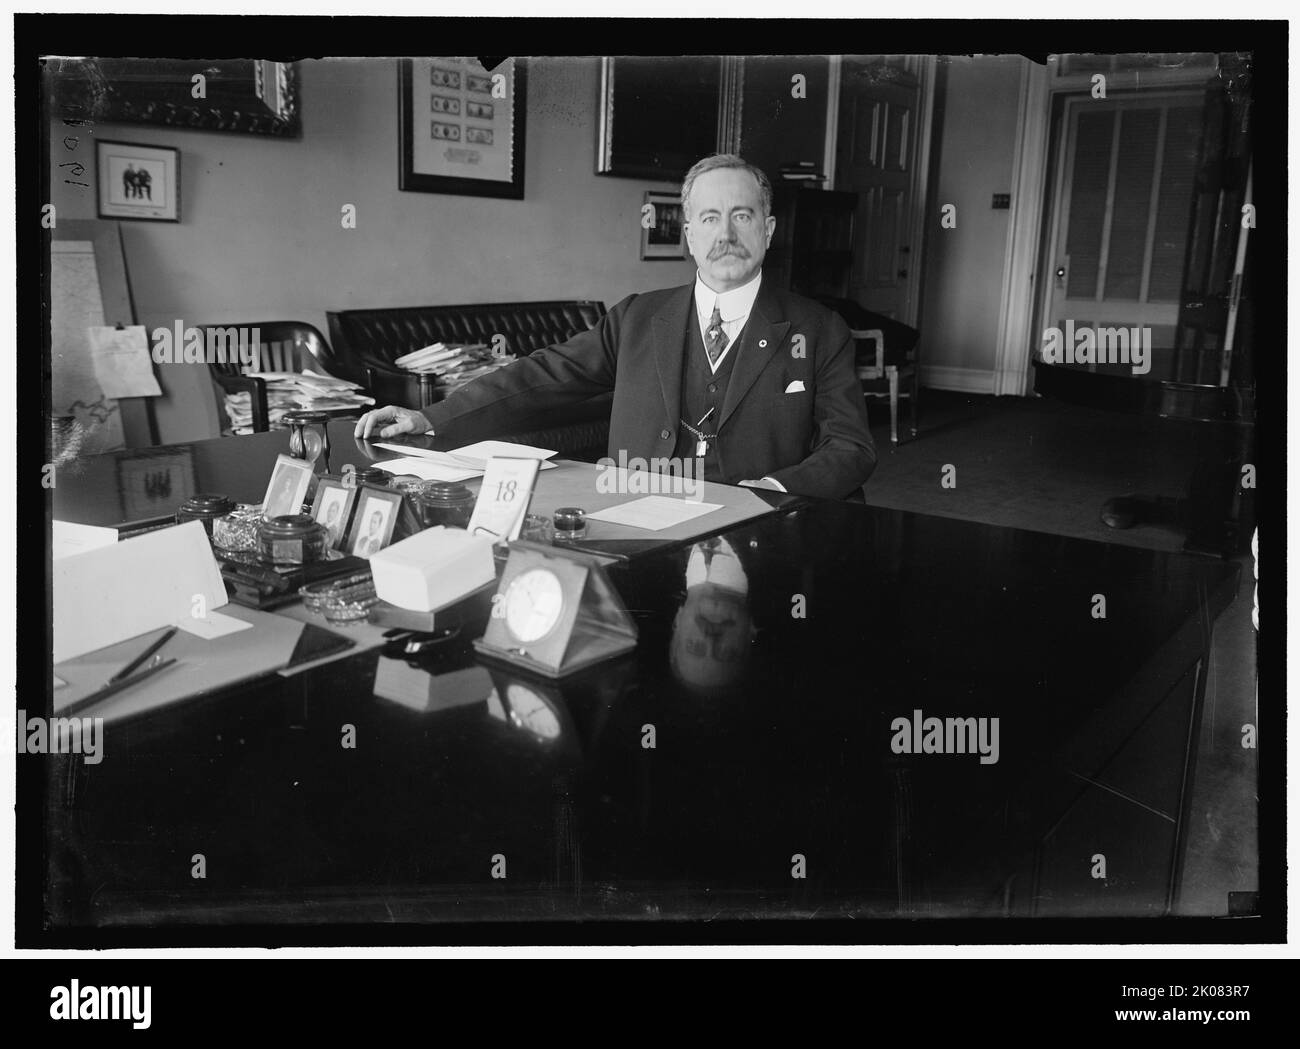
(735, 305)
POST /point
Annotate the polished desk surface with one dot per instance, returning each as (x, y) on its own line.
(790, 759)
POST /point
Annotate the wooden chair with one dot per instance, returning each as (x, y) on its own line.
(880, 378)
(890, 365)
(283, 346)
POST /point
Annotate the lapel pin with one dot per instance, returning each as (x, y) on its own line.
(762, 343)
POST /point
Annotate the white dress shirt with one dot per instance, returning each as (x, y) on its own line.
(735, 307)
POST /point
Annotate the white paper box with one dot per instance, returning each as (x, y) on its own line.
(433, 568)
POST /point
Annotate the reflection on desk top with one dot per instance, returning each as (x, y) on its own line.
(758, 720)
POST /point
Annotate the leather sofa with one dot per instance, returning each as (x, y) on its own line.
(367, 341)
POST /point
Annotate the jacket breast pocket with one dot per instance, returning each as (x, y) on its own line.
(788, 401)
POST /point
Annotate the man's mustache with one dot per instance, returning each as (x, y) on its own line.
(736, 250)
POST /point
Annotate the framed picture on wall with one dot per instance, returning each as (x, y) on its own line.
(138, 182)
(462, 126)
(663, 234)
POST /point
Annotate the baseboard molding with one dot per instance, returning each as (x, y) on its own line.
(960, 380)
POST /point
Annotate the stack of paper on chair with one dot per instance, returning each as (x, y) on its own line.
(433, 568)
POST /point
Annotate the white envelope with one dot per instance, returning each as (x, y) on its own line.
(795, 387)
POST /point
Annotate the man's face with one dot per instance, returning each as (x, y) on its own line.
(726, 230)
(376, 522)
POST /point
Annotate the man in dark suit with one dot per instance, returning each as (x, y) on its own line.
(752, 382)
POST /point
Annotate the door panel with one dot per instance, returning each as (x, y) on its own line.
(1123, 210)
(875, 158)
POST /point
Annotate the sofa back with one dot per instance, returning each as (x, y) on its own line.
(380, 336)
(368, 341)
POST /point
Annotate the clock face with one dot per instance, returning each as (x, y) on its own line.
(530, 711)
(534, 604)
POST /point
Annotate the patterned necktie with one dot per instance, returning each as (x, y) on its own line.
(715, 339)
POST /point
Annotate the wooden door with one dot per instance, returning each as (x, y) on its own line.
(1127, 173)
(876, 153)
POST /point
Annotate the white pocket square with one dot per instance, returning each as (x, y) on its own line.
(795, 387)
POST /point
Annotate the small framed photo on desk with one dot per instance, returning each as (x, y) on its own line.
(333, 509)
(374, 520)
(287, 490)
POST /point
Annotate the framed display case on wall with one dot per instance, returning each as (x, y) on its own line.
(462, 126)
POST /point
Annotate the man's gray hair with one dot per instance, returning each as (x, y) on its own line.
(725, 160)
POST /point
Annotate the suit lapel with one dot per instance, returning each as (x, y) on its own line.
(670, 329)
(763, 335)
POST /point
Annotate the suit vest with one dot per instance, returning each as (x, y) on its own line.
(702, 389)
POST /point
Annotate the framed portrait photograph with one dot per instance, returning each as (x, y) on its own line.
(462, 126)
(138, 182)
(373, 520)
(663, 233)
(333, 508)
(288, 487)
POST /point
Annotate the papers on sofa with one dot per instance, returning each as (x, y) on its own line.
(654, 512)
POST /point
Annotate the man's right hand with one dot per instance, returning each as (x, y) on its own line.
(389, 422)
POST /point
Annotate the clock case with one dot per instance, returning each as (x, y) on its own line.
(593, 625)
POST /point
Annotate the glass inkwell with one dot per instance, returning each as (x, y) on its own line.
(446, 503)
(206, 507)
(294, 539)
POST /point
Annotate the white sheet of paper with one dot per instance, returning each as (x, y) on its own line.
(427, 469)
(116, 592)
(471, 457)
(122, 362)
(68, 538)
(654, 512)
(215, 625)
(485, 450)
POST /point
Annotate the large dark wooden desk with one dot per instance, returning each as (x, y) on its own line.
(904, 612)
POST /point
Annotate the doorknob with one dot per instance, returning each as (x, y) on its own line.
(1060, 276)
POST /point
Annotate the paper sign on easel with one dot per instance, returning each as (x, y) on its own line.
(503, 498)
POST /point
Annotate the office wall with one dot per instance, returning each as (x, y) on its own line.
(261, 238)
(964, 265)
